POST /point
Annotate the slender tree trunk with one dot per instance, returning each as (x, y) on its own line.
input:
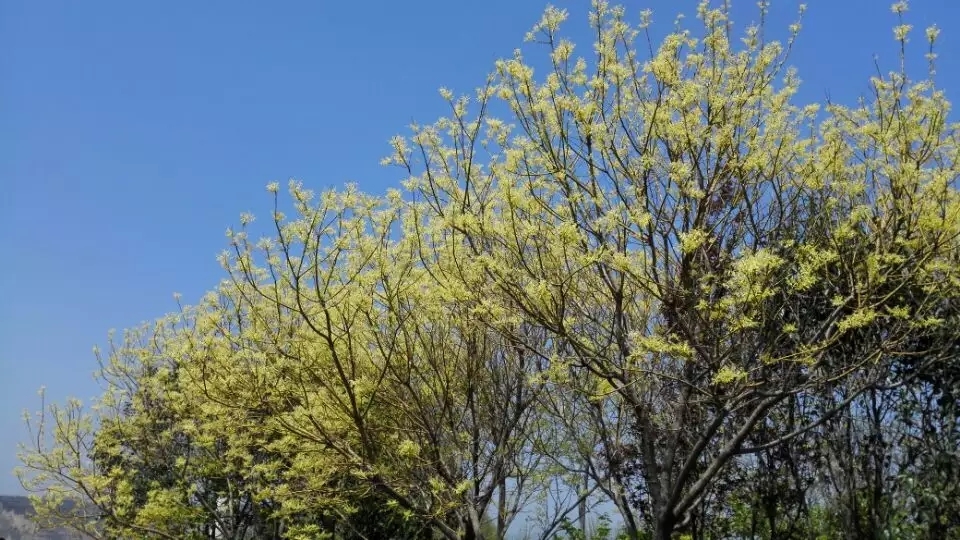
(664, 528)
(582, 507)
(472, 525)
(502, 509)
(626, 512)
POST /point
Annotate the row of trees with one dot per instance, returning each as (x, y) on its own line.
(660, 291)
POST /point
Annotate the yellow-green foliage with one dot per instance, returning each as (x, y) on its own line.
(637, 227)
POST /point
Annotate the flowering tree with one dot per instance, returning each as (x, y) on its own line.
(653, 273)
(691, 239)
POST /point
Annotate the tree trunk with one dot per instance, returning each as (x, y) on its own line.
(664, 528)
(582, 507)
(472, 525)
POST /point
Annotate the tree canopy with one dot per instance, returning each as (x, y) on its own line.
(655, 286)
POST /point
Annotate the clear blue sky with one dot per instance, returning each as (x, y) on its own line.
(132, 134)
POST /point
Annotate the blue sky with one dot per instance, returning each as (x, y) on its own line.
(132, 134)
